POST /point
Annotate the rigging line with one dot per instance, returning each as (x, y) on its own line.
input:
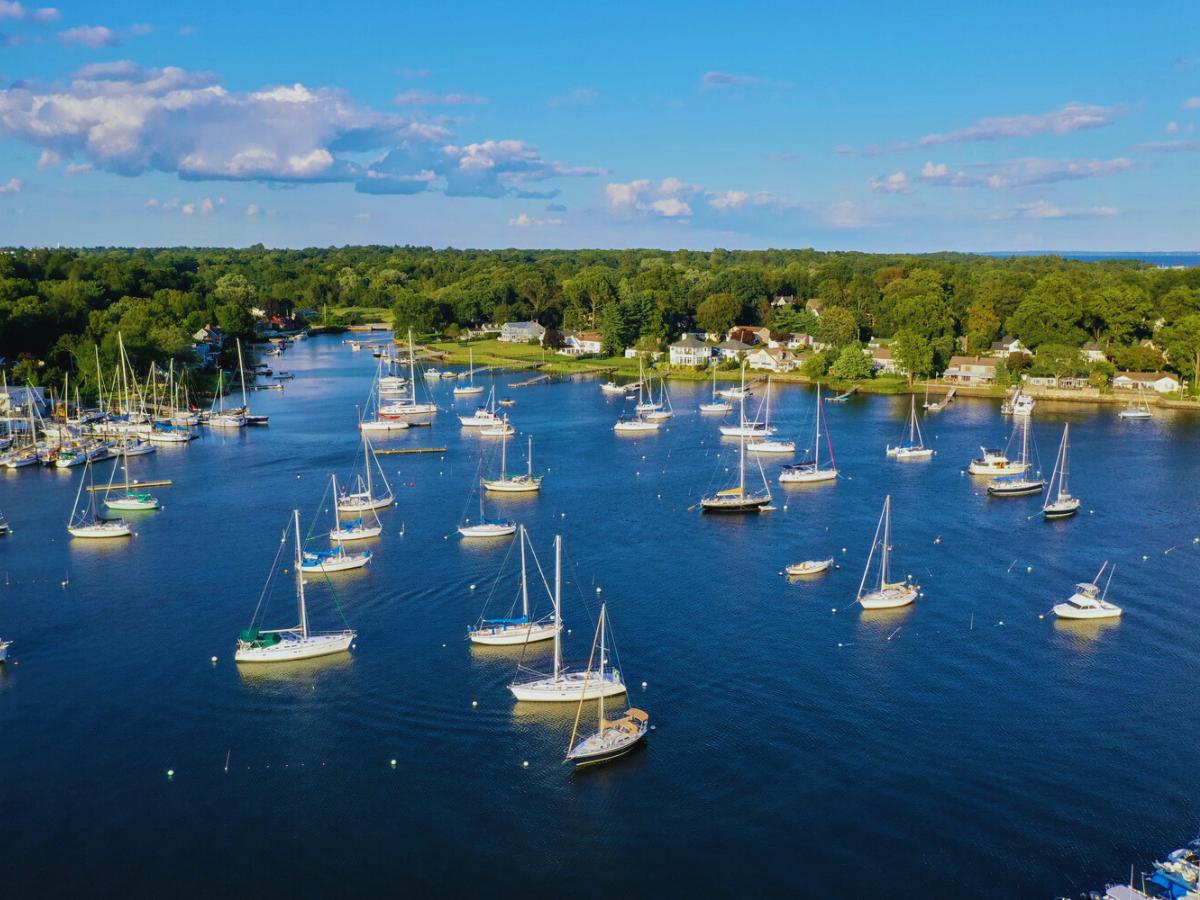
(274, 568)
(496, 581)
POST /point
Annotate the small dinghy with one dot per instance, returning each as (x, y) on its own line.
(810, 567)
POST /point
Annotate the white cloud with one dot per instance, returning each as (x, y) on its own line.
(430, 98)
(12, 186)
(896, 183)
(78, 168)
(1018, 173)
(1045, 210)
(668, 198)
(188, 30)
(726, 79)
(845, 214)
(253, 210)
(582, 96)
(48, 160)
(524, 220)
(18, 12)
(89, 36)
(141, 29)
(1191, 103)
(126, 119)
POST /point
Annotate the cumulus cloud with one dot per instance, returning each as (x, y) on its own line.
(430, 98)
(48, 160)
(89, 36)
(524, 220)
(726, 79)
(17, 12)
(123, 118)
(581, 96)
(1045, 210)
(1018, 173)
(896, 183)
(1191, 103)
(12, 186)
(670, 198)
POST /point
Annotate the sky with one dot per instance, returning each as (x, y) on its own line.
(870, 126)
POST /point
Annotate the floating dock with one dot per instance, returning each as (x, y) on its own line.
(412, 450)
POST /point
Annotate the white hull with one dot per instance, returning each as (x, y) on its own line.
(1135, 414)
(647, 407)
(407, 409)
(170, 437)
(733, 393)
(635, 427)
(228, 422)
(611, 388)
(488, 530)
(497, 430)
(1066, 611)
(336, 563)
(468, 390)
(99, 531)
(513, 486)
(356, 534)
(716, 407)
(889, 598)
(910, 452)
(479, 421)
(809, 477)
(133, 503)
(360, 504)
(810, 567)
(512, 635)
(772, 446)
(373, 425)
(746, 431)
(1013, 468)
(659, 416)
(569, 688)
(294, 647)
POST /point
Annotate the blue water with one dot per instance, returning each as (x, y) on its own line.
(931, 752)
(1164, 259)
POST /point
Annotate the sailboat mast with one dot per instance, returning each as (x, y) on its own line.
(524, 579)
(817, 436)
(1062, 475)
(242, 373)
(557, 606)
(741, 462)
(603, 613)
(503, 453)
(887, 539)
(300, 577)
(412, 369)
(529, 456)
(367, 469)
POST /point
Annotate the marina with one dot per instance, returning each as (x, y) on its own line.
(929, 732)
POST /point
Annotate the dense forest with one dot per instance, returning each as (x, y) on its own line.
(57, 304)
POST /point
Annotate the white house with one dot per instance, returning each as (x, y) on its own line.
(1163, 382)
(1007, 346)
(15, 400)
(731, 349)
(582, 343)
(772, 359)
(1094, 352)
(970, 370)
(521, 332)
(690, 351)
(882, 361)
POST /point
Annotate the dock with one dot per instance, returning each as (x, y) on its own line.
(540, 379)
(106, 489)
(411, 450)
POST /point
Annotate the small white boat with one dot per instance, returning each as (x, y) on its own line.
(635, 425)
(717, 404)
(1136, 410)
(1018, 484)
(255, 645)
(516, 630)
(766, 443)
(485, 527)
(131, 499)
(914, 448)
(381, 425)
(1060, 504)
(4, 645)
(336, 559)
(525, 483)
(888, 594)
(612, 737)
(363, 497)
(433, 373)
(1019, 404)
(87, 522)
(810, 567)
(562, 685)
(1088, 601)
(361, 529)
(483, 416)
(611, 387)
(810, 471)
(501, 428)
(470, 388)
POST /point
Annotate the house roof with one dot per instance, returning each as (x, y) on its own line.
(814, 303)
(956, 361)
(1145, 376)
(593, 336)
(881, 353)
(525, 326)
(733, 345)
(689, 341)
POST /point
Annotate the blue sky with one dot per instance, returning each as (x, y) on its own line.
(859, 126)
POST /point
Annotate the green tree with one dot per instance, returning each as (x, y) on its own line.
(837, 327)
(913, 353)
(852, 364)
(1182, 343)
(717, 313)
(1058, 361)
(816, 366)
(1049, 314)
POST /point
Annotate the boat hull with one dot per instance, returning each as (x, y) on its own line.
(569, 688)
(1066, 611)
(770, 446)
(795, 476)
(635, 427)
(357, 534)
(337, 563)
(1019, 489)
(913, 453)
(101, 531)
(596, 749)
(513, 486)
(734, 505)
(361, 504)
(383, 425)
(1062, 509)
(293, 648)
(809, 567)
(488, 531)
(133, 503)
(512, 635)
(716, 407)
(891, 598)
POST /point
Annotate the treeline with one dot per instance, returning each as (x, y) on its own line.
(56, 304)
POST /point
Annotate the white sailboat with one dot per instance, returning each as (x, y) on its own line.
(1019, 484)
(664, 410)
(483, 416)
(914, 447)
(373, 420)
(484, 527)
(501, 428)
(289, 644)
(218, 417)
(717, 404)
(767, 443)
(1060, 504)
(409, 405)
(87, 522)
(888, 594)
(648, 403)
(524, 483)
(737, 499)
(1088, 601)
(516, 630)
(810, 471)
(129, 499)
(612, 737)
(336, 558)
(1138, 409)
(563, 685)
(363, 497)
(743, 428)
(363, 528)
(470, 388)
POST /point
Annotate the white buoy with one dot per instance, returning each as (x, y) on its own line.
(643, 685)
(1029, 568)
(1041, 615)
(472, 587)
(525, 764)
(474, 703)
(843, 549)
(599, 590)
(214, 660)
(834, 610)
(170, 773)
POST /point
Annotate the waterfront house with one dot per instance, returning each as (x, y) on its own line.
(582, 343)
(1094, 352)
(971, 370)
(882, 361)
(772, 359)
(1162, 382)
(732, 349)
(1007, 346)
(521, 332)
(750, 335)
(690, 351)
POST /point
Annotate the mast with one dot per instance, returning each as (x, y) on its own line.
(78, 493)
(557, 606)
(242, 375)
(333, 487)
(817, 437)
(887, 539)
(503, 453)
(767, 408)
(367, 469)
(1062, 475)
(742, 463)
(412, 370)
(603, 611)
(300, 577)
(1025, 442)
(524, 580)
(529, 455)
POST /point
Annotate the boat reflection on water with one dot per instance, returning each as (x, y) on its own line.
(1085, 632)
(297, 672)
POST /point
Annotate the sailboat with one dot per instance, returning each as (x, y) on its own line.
(363, 497)
(129, 499)
(408, 405)
(1138, 409)
(470, 388)
(767, 443)
(647, 404)
(1018, 484)
(888, 594)
(521, 629)
(500, 428)
(373, 419)
(914, 447)
(743, 428)
(483, 416)
(218, 417)
(810, 471)
(1088, 601)
(289, 644)
(562, 685)
(485, 527)
(1059, 502)
(738, 499)
(717, 404)
(514, 484)
(87, 522)
(664, 410)
(250, 419)
(612, 737)
(360, 529)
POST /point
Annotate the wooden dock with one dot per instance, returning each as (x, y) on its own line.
(105, 489)
(411, 450)
(540, 379)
